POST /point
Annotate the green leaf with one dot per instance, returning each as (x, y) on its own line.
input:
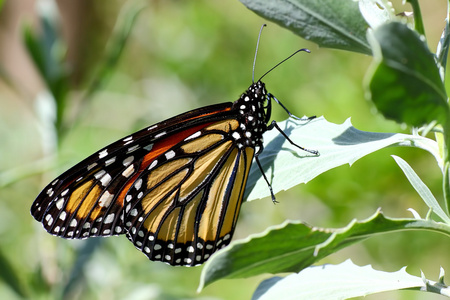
(404, 82)
(421, 189)
(47, 51)
(293, 246)
(286, 166)
(332, 282)
(329, 23)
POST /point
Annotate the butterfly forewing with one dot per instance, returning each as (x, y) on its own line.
(87, 200)
(175, 188)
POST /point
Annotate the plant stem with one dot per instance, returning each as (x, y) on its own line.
(446, 159)
(418, 22)
(443, 46)
(442, 59)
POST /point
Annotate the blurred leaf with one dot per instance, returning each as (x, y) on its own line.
(34, 49)
(10, 277)
(404, 81)
(421, 189)
(442, 48)
(118, 41)
(286, 166)
(329, 23)
(293, 246)
(331, 282)
(47, 52)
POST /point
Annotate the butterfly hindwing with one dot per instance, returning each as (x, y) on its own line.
(185, 204)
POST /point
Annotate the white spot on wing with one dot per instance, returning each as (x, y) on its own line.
(153, 164)
(110, 161)
(134, 148)
(128, 171)
(106, 179)
(160, 134)
(170, 154)
(59, 204)
(105, 199)
(103, 153)
(91, 166)
(109, 218)
(127, 161)
(99, 174)
(49, 219)
(138, 184)
(193, 136)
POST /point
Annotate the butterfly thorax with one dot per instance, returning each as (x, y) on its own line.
(253, 116)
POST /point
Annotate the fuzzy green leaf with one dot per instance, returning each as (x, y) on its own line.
(404, 81)
(293, 246)
(331, 282)
(329, 23)
(286, 166)
(421, 189)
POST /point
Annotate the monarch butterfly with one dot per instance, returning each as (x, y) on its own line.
(174, 188)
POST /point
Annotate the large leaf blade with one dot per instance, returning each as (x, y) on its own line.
(338, 144)
(404, 81)
(329, 23)
(293, 246)
(331, 282)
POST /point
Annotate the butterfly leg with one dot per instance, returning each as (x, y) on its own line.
(275, 125)
(270, 96)
(264, 175)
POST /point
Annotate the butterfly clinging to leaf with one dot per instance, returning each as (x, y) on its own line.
(174, 188)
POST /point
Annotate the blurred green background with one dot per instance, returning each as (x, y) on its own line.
(181, 55)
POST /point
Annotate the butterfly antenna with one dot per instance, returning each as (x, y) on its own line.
(300, 50)
(256, 52)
